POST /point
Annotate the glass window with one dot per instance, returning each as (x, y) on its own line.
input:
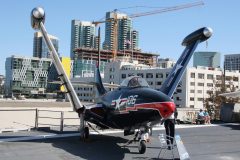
(149, 75)
(123, 75)
(209, 76)
(200, 84)
(140, 75)
(210, 84)
(179, 91)
(159, 75)
(192, 75)
(192, 83)
(191, 98)
(200, 76)
(158, 83)
(218, 77)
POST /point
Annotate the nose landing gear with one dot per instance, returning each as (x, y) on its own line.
(142, 137)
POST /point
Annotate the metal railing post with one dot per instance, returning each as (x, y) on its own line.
(36, 118)
(61, 121)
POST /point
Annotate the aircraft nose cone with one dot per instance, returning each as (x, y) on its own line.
(167, 109)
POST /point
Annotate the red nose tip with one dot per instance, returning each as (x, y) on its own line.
(167, 109)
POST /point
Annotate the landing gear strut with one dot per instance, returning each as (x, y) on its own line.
(83, 129)
(85, 134)
(142, 137)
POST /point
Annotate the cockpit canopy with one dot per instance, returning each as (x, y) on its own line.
(134, 81)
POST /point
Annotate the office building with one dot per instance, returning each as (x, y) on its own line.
(196, 84)
(40, 48)
(125, 35)
(82, 35)
(2, 83)
(26, 76)
(165, 63)
(207, 59)
(53, 76)
(232, 62)
(86, 68)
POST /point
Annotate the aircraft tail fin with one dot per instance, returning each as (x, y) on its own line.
(191, 42)
(100, 88)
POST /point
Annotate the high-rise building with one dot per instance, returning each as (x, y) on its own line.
(232, 62)
(2, 82)
(82, 35)
(125, 33)
(207, 59)
(26, 76)
(40, 48)
(135, 40)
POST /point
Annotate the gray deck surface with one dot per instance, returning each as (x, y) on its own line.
(214, 142)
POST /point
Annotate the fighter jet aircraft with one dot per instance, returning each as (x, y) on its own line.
(132, 106)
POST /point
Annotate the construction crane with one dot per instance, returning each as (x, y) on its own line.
(141, 14)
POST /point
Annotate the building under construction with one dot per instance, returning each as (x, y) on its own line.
(107, 55)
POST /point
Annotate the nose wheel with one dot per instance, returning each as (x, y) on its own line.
(142, 147)
(143, 137)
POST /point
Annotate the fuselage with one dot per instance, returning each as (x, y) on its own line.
(130, 107)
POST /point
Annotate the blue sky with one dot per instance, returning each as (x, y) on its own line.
(159, 33)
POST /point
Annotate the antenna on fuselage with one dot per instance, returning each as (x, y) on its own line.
(99, 52)
(98, 79)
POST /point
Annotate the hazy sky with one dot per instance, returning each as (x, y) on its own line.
(159, 33)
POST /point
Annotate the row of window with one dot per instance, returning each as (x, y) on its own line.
(148, 75)
(210, 76)
(85, 94)
(199, 99)
(84, 89)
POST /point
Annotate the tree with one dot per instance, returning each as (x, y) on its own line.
(214, 101)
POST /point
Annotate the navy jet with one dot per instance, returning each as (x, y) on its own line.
(132, 106)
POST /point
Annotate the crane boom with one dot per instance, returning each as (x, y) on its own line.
(115, 20)
(168, 9)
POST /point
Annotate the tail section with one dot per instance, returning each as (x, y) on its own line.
(100, 88)
(98, 79)
(191, 42)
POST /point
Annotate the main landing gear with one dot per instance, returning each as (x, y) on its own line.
(84, 131)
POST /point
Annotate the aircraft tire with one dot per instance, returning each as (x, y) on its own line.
(142, 147)
(86, 133)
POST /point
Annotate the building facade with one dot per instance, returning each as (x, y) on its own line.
(196, 85)
(232, 62)
(86, 68)
(40, 48)
(82, 35)
(165, 63)
(2, 83)
(207, 59)
(53, 77)
(26, 76)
